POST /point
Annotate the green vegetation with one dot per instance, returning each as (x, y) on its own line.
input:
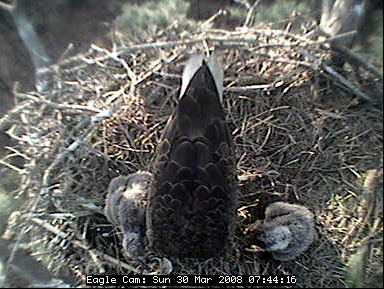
(139, 21)
(276, 14)
(373, 49)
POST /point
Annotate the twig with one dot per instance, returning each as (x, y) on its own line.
(14, 168)
(140, 47)
(156, 67)
(345, 82)
(122, 52)
(7, 7)
(212, 18)
(244, 3)
(72, 107)
(251, 10)
(287, 61)
(276, 32)
(351, 56)
(113, 55)
(71, 148)
(81, 245)
(45, 181)
(249, 87)
(339, 38)
(6, 119)
(16, 153)
(337, 76)
(354, 58)
(66, 52)
(203, 37)
(231, 40)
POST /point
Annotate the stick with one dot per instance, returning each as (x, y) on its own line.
(212, 18)
(354, 58)
(7, 7)
(14, 168)
(73, 107)
(45, 180)
(83, 246)
(71, 148)
(249, 87)
(251, 10)
(351, 56)
(337, 76)
(6, 119)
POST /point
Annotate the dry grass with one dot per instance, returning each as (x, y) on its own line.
(300, 134)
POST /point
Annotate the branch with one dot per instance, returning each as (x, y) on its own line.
(8, 118)
(337, 77)
(250, 13)
(345, 82)
(60, 106)
(79, 244)
(71, 148)
(355, 59)
(8, 7)
(351, 56)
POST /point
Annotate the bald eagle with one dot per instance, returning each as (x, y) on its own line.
(192, 202)
(186, 206)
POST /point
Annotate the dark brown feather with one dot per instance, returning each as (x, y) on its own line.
(192, 201)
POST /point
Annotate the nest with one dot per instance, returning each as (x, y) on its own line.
(304, 132)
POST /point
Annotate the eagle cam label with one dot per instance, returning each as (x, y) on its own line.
(191, 280)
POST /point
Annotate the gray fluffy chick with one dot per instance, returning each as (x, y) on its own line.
(126, 206)
(287, 230)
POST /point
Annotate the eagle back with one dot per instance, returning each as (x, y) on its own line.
(192, 200)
